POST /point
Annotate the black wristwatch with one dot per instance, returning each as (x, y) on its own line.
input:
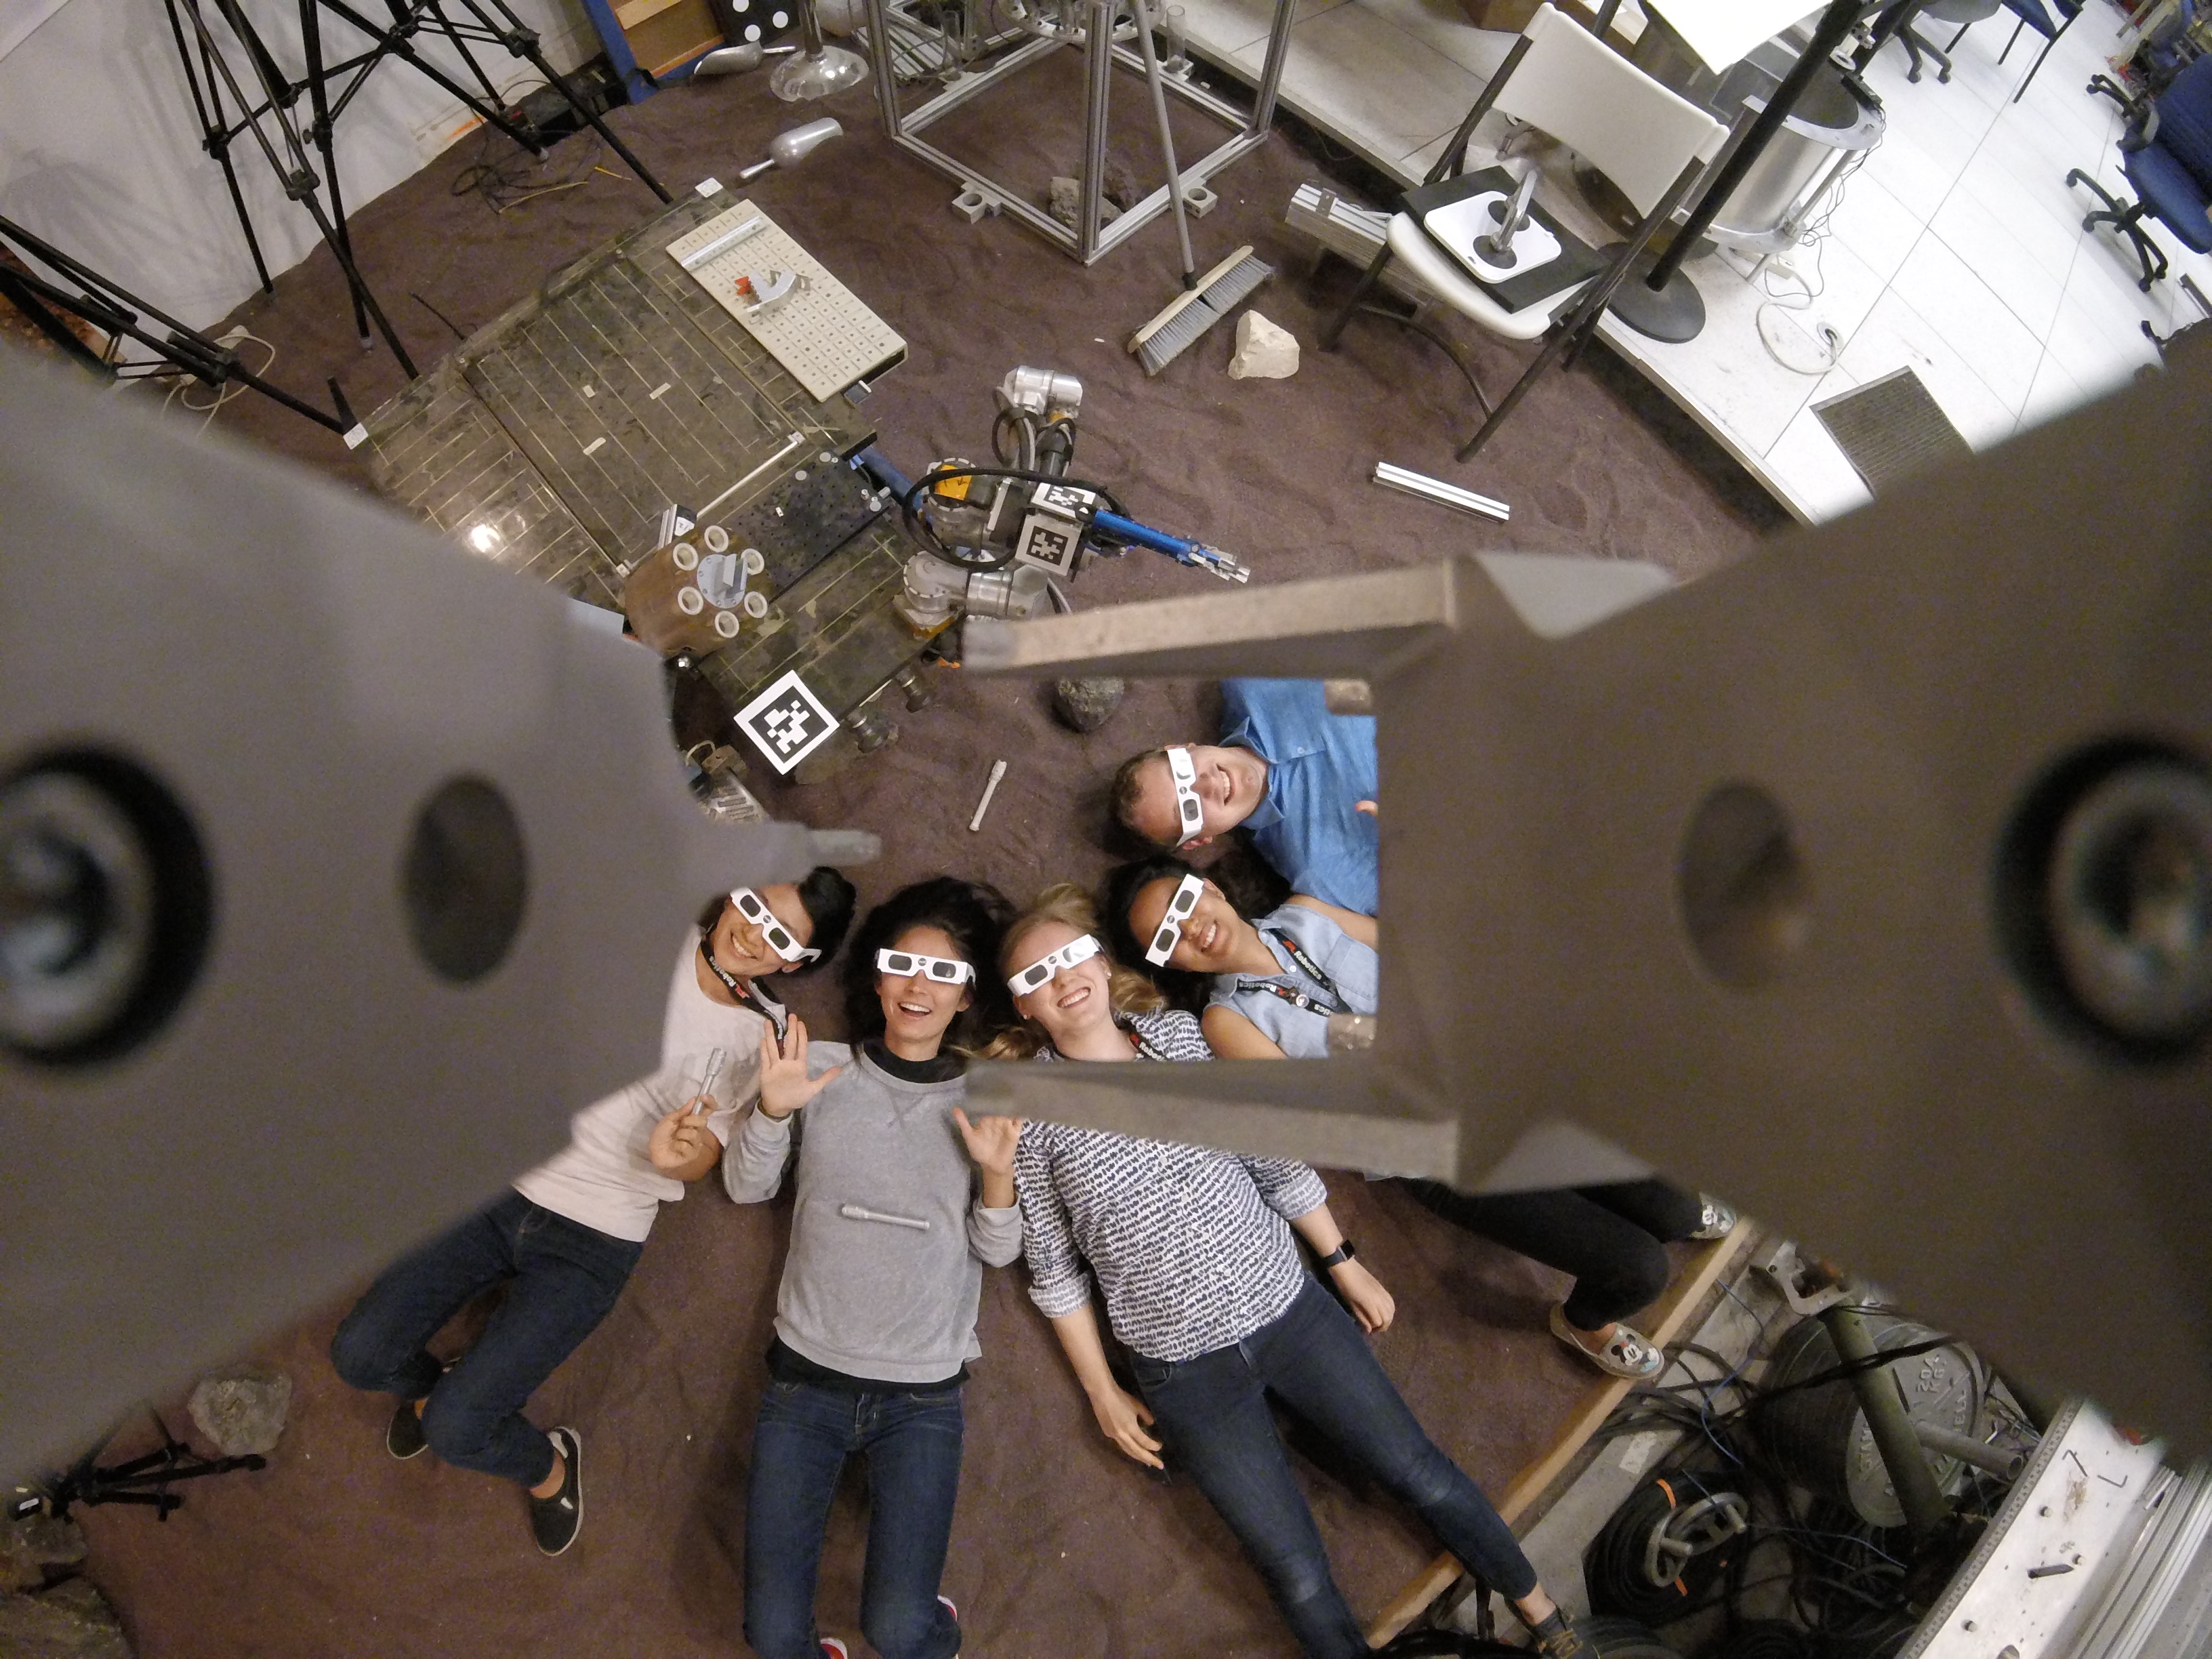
(1337, 1257)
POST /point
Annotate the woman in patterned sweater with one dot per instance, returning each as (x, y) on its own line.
(1205, 1286)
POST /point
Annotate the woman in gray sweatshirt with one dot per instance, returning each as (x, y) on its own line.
(900, 1202)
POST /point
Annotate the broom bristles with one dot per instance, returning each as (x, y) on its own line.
(1189, 315)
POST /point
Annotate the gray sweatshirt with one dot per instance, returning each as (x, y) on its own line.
(872, 1297)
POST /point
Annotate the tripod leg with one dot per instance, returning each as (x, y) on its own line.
(311, 43)
(522, 43)
(214, 138)
(395, 41)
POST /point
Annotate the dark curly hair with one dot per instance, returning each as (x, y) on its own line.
(828, 899)
(974, 915)
(1184, 990)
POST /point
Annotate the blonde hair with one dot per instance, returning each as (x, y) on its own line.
(1128, 992)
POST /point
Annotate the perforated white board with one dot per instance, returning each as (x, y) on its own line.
(824, 335)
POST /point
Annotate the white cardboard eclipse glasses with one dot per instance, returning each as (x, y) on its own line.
(1169, 934)
(753, 908)
(905, 965)
(1046, 967)
(1190, 817)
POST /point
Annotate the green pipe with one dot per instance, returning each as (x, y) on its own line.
(1925, 1512)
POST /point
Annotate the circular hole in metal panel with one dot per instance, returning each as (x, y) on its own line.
(2104, 900)
(1746, 898)
(106, 908)
(465, 882)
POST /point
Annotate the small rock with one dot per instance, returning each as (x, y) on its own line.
(1120, 186)
(244, 1412)
(1067, 204)
(1264, 352)
(1086, 705)
(70, 1621)
(30, 1546)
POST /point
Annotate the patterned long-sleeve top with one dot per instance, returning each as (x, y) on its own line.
(1192, 1247)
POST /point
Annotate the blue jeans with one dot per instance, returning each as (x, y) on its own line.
(912, 1443)
(566, 1277)
(1213, 1415)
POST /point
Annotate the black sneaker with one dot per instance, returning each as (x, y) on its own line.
(404, 1439)
(554, 1520)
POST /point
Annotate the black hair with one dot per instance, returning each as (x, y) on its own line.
(1185, 990)
(974, 915)
(828, 899)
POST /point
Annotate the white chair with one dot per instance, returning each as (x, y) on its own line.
(1650, 142)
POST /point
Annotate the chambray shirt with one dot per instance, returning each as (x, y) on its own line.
(1319, 765)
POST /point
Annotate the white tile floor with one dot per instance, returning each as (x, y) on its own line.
(1957, 250)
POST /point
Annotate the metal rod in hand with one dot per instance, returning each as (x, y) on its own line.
(1167, 140)
(1840, 18)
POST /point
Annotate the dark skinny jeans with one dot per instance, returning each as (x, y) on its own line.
(1613, 1238)
(1213, 1413)
(566, 1276)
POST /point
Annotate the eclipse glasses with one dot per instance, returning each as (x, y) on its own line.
(905, 965)
(755, 909)
(1190, 817)
(1169, 933)
(1042, 971)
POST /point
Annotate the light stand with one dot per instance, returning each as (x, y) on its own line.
(487, 22)
(107, 306)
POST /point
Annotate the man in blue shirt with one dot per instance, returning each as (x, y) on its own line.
(1301, 779)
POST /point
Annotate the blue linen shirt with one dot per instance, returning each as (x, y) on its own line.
(1319, 766)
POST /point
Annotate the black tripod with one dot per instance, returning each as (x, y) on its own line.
(107, 306)
(487, 23)
(140, 1480)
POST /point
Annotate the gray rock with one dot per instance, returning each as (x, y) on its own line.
(70, 1621)
(1067, 204)
(29, 1547)
(1086, 705)
(243, 1412)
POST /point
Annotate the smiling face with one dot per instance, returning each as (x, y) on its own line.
(738, 947)
(1072, 1001)
(1229, 783)
(917, 1010)
(1210, 934)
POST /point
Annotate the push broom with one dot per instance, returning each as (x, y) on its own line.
(1205, 299)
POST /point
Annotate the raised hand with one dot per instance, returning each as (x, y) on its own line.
(1123, 1417)
(990, 1142)
(1371, 1305)
(784, 1086)
(681, 1139)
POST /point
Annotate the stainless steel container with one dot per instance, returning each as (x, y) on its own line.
(1769, 209)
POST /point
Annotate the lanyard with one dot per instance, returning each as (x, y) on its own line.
(774, 1012)
(1331, 1001)
(1144, 1047)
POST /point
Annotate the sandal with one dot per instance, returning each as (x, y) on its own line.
(1626, 1354)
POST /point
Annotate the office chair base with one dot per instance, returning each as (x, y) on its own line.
(2127, 220)
(1675, 313)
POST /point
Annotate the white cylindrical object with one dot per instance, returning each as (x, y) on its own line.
(755, 561)
(690, 601)
(726, 623)
(755, 605)
(998, 771)
(717, 539)
(685, 555)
